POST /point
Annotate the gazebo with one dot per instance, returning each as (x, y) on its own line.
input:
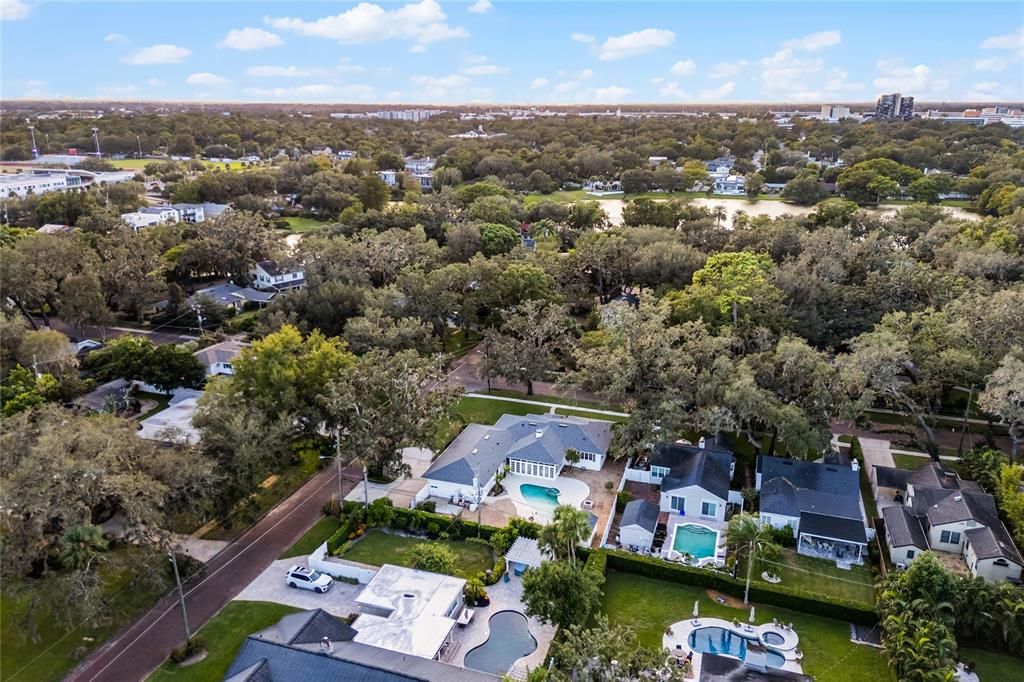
(523, 554)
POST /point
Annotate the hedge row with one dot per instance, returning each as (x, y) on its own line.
(776, 595)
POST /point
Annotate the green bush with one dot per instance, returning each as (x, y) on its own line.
(783, 536)
(597, 563)
(380, 513)
(492, 577)
(622, 499)
(427, 506)
(775, 595)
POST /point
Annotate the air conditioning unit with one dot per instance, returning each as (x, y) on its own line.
(901, 566)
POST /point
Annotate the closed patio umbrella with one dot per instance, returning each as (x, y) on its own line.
(751, 614)
(696, 608)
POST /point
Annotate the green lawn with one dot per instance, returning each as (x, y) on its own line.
(554, 399)
(909, 461)
(650, 606)
(54, 653)
(377, 548)
(162, 401)
(223, 637)
(589, 415)
(302, 225)
(797, 570)
(485, 411)
(132, 164)
(313, 538)
(993, 667)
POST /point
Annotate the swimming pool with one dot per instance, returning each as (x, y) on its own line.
(773, 638)
(698, 541)
(713, 640)
(508, 641)
(541, 496)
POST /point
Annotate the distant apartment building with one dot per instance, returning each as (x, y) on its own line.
(23, 184)
(831, 112)
(894, 107)
(1008, 116)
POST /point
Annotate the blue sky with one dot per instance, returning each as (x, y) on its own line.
(511, 51)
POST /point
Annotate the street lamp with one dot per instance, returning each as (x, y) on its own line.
(96, 138)
(181, 599)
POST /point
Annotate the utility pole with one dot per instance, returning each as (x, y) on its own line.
(479, 501)
(35, 150)
(139, 140)
(96, 138)
(967, 412)
(337, 459)
(181, 599)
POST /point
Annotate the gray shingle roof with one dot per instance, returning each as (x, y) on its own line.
(229, 294)
(689, 465)
(225, 351)
(781, 496)
(993, 542)
(640, 513)
(904, 528)
(837, 528)
(485, 448)
(823, 478)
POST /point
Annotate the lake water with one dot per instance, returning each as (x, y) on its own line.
(773, 209)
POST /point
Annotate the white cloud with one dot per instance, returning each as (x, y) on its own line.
(440, 87)
(896, 76)
(991, 64)
(314, 92)
(636, 43)
(115, 38)
(987, 91)
(672, 90)
(155, 83)
(814, 41)
(717, 94)
(480, 7)
(727, 69)
(422, 23)
(475, 58)
(784, 72)
(585, 74)
(115, 90)
(157, 54)
(1008, 41)
(207, 79)
(13, 10)
(610, 94)
(247, 39)
(684, 67)
(539, 83)
(582, 37)
(482, 70)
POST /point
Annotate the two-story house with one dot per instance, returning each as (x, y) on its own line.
(936, 510)
(269, 275)
(694, 479)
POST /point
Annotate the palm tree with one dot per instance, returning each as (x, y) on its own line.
(568, 528)
(81, 546)
(747, 536)
(719, 214)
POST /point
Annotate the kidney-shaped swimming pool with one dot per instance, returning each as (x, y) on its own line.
(509, 640)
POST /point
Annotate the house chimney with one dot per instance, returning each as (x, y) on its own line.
(325, 645)
(855, 465)
(701, 443)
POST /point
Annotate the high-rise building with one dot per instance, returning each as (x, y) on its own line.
(893, 107)
(831, 112)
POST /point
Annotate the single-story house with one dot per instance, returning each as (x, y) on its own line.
(269, 275)
(937, 510)
(820, 502)
(104, 396)
(216, 359)
(151, 215)
(694, 479)
(409, 611)
(314, 646)
(532, 445)
(231, 295)
(638, 523)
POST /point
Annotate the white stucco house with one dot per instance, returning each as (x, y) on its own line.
(269, 275)
(936, 510)
(694, 479)
(217, 359)
(532, 445)
(637, 525)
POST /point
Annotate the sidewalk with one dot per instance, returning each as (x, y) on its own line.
(540, 403)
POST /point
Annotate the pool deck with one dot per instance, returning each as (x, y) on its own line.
(570, 491)
(677, 637)
(669, 553)
(505, 596)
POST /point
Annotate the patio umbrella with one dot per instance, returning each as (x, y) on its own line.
(696, 607)
(751, 614)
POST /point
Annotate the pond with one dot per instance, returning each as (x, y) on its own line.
(508, 641)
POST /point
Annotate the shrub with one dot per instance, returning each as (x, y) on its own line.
(427, 506)
(775, 595)
(433, 557)
(185, 651)
(494, 575)
(381, 512)
(503, 538)
(608, 485)
(622, 499)
(433, 529)
(783, 536)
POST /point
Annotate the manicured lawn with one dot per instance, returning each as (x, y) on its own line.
(133, 164)
(302, 225)
(314, 537)
(909, 461)
(993, 667)
(223, 637)
(796, 570)
(378, 548)
(650, 606)
(484, 411)
(554, 399)
(54, 653)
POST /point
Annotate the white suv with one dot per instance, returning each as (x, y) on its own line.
(308, 579)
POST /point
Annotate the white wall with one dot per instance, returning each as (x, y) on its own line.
(446, 490)
(988, 569)
(587, 464)
(935, 535)
(694, 496)
(638, 475)
(780, 521)
(898, 555)
(339, 568)
(635, 535)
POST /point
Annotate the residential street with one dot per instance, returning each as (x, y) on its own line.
(158, 337)
(141, 647)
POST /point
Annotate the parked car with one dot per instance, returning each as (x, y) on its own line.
(308, 579)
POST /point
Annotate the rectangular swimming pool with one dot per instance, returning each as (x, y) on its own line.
(695, 540)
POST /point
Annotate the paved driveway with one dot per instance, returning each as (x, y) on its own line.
(270, 586)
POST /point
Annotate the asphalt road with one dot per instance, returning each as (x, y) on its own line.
(140, 648)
